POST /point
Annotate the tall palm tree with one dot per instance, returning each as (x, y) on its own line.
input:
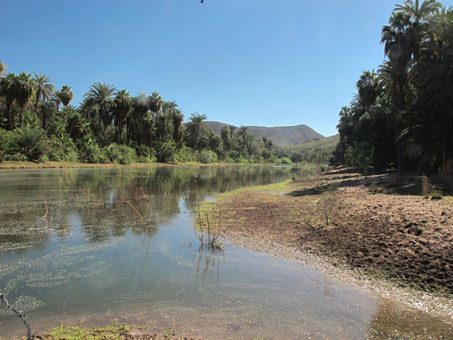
(65, 95)
(43, 88)
(121, 110)
(194, 128)
(418, 12)
(23, 92)
(100, 95)
(243, 132)
(7, 90)
(367, 87)
(155, 103)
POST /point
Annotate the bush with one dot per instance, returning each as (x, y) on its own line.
(62, 150)
(184, 155)
(32, 143)
(143, 151)
(166, 152)
(7, 144)
(207, 156)
(242, 160)
(93, 154)
(296, 157)
(359, 155)
(286, 161)
(121, 154)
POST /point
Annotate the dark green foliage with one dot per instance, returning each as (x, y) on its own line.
(165, 152)
(93, 154)
(32, 143)
(402, 116)
(111, 126)
(207, 156)
(121, 154)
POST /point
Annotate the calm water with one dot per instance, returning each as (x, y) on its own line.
(95, 246)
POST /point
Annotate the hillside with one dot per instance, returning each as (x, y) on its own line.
(326, 144)
(280, 135)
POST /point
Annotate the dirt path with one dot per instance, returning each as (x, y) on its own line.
(389, 239)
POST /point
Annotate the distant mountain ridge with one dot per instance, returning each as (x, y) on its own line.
(280, 135)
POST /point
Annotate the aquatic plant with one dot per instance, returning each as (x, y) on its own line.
(207, 227)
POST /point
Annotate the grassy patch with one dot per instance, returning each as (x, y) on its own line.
(80, 333)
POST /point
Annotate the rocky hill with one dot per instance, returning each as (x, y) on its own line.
(280, 135)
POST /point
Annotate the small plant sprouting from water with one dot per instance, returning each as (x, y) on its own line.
(207, 228)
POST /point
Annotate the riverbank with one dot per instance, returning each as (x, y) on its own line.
(62, 165)
(371, 231)
(115, 333)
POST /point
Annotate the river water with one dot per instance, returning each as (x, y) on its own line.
(97, 246)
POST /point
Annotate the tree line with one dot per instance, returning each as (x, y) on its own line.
(402, 114)
(38, 123)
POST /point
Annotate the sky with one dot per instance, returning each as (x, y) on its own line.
(242, 62)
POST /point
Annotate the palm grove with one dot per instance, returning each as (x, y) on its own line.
(37, 123)
(402, 115)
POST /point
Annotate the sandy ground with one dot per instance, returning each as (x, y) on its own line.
(378, 235)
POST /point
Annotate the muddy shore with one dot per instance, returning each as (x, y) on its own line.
(379, 234)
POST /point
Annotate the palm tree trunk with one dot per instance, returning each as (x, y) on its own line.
(36, 102)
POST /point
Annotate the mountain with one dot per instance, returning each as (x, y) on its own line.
(280, 135)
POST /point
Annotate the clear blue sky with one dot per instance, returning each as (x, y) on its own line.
(243, 62)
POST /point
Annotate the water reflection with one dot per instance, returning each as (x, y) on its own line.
(108, 202)
(80, 243)
(208, 263)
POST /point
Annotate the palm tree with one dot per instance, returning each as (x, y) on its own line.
(23, 91)
(194, 128)
(43, 88)
(122, 108)
(367, 87)
(65, 95)
(176, 117)
(243, 132)
(418, 12)
(155, 103)
(100, 95)
(135, 123)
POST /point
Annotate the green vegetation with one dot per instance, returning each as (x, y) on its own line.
(80, 333)
(37, 123)
(208, 227)
(402, 114)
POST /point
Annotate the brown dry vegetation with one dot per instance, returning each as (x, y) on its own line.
(374, 225)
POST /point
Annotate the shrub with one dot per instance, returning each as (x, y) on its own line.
(166, 152)
(359, 155)
(32, 143)
(296, 157)
(143, 150)
(183, 155)
(62, 150)
(121, 154)
(242, 160)
(7, 144)
(328, 202)
(93, 154)
(207, 156)
(286, 161)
